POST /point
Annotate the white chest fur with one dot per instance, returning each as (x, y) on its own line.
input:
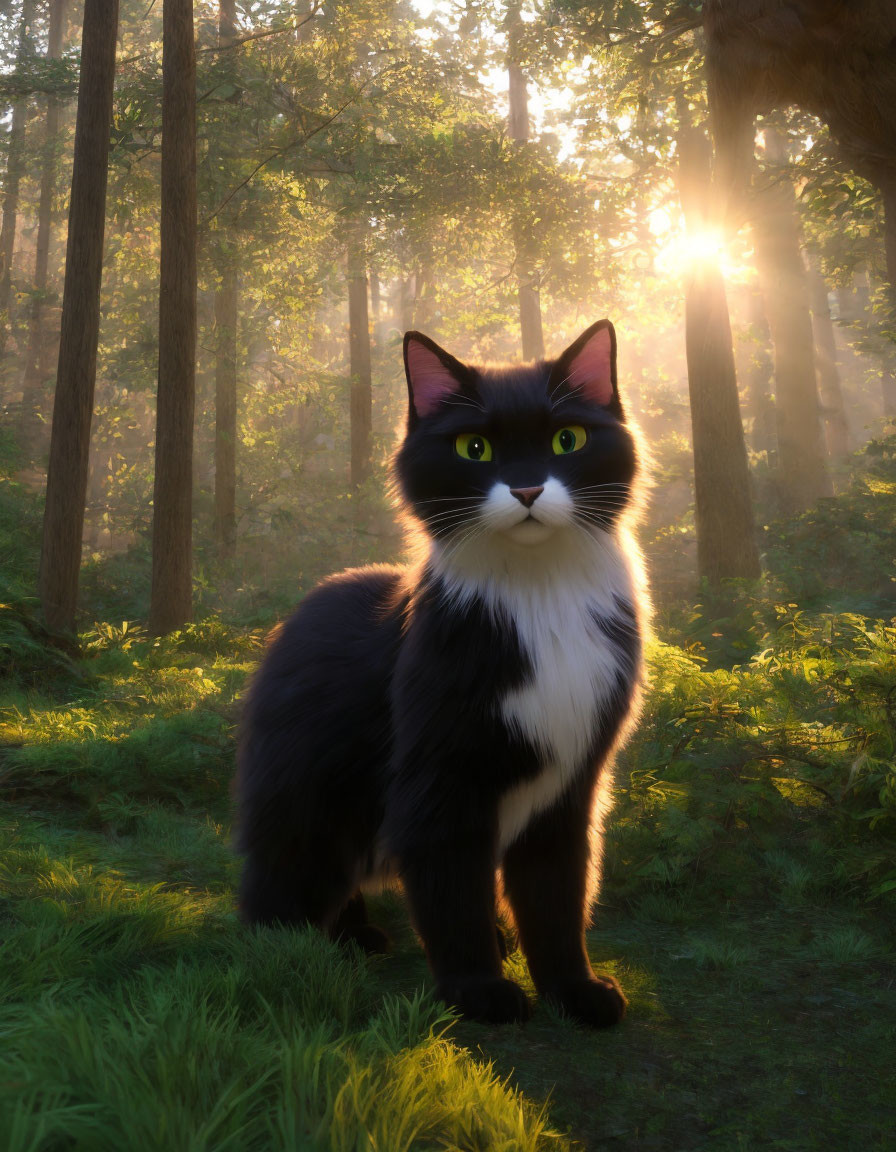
(576, 671)
(555, 611)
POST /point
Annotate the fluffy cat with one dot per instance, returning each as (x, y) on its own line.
(458, 717)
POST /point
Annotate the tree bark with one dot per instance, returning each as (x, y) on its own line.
(12, 181)
(531, 330)
(888, 377)
(423, 299)
(836, 426)
(726, 539)
(171, 605)
(888, 189)
(406, 304)
(782, 276)
(830, 58)
(76, 375)
(376, 309)
(226, 318)
(36, 359)
(359, 361)
(888, 391)
(758, 380)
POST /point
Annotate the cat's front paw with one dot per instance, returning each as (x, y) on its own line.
(488, 998)
(598, 1002)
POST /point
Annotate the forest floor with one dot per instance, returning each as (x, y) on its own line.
(136, 1012)
(748, 906)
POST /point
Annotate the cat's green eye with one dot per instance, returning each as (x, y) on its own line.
(569, 439)
(472, 446)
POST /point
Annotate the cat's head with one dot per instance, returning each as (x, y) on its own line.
(521, 452)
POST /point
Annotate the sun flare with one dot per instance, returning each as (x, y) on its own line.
(680, 252)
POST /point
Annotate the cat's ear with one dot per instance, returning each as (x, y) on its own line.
(433, 374)
(588, 367)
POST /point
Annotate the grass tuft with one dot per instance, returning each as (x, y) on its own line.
(747, 909)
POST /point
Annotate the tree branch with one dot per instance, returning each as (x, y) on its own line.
(287, 148)
(294, 27)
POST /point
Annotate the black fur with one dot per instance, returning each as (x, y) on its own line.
(372, 731)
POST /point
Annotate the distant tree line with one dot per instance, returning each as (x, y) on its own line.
(274, 162)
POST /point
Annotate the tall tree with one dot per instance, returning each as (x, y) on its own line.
(13, 178)
(888, 391)
(726, 539)
(835, 424)
(527, 276)
(758, 375)
(782, 276)
(226, 318)
(73, 406)
(171, 603)
(36, 358)
(359, 357)
(831, 58)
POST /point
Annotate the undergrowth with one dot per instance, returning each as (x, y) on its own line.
(795, 749)
(759, 789)
(134, 1016)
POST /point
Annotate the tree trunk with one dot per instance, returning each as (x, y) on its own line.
(782, 276)
(888, 188)
(73, 407)
(888, 378)
(226, 319)
(226, 316)
(836, 426)
(406, 304)
(527, 276)
(888, 391)
(13, 178)
(36, 360)
(423, 299)
(172, 598)
(376, 309)
(758, 380)
(359, 357)
(726, 540)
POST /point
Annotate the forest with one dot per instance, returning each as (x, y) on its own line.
(219, 219)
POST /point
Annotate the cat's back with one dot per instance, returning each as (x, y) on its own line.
(335, 654)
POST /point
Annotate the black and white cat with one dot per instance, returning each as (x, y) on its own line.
(458, 718)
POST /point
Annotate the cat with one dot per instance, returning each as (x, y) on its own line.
(458, 717)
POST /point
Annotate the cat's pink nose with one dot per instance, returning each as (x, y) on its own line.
(527, 496)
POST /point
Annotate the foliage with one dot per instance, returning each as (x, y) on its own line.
(844, 550)
(758, 793)
(735, 805)
(135, 1014)
(21, 513)
(795, 747)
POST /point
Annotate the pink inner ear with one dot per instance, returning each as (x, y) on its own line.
(591, 370)
(431, 381)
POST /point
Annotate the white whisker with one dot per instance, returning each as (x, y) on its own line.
(462, 402)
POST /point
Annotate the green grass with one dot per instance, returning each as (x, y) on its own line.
(136, 1013)
(748, 909)
(745, 912)
(134, 1010)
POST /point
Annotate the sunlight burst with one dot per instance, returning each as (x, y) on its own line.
(681, 252)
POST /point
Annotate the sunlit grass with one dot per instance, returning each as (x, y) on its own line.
(746, 910)
(134, 1007)
(134, 1015)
